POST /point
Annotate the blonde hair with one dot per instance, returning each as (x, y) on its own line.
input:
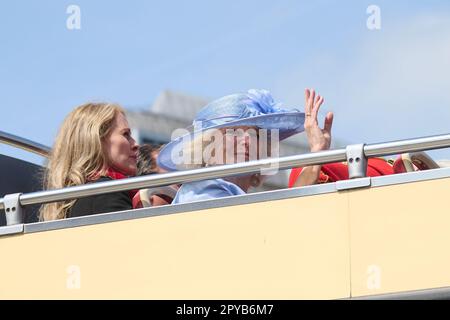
(78, 155)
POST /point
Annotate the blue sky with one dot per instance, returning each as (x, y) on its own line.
(385, 84)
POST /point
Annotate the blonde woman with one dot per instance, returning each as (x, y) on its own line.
(94, 144)
(248, 113)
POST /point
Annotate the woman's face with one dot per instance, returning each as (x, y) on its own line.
(120, 147)
(240, 144)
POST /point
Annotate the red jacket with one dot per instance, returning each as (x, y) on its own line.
(333, 172)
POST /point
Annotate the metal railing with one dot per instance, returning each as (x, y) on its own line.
(324, 157)
(24, 144)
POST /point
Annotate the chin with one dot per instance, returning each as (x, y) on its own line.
(130, 171)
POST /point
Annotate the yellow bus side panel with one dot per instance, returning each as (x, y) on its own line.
(400, 237)
(285, 249)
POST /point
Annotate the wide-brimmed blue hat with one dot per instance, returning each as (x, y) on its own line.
(255, 108)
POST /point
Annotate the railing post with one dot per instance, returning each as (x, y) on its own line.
(356, 161)
(13, 209)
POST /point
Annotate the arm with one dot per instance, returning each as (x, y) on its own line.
(319, 139)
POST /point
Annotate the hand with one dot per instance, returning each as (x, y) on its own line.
(319, 139)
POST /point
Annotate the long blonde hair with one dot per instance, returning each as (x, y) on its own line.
(77, 154)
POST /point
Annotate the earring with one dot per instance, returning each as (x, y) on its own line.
(255, 181)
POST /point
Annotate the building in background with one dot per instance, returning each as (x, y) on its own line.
(173, 110)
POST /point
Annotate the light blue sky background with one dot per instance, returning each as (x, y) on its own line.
(382, 85)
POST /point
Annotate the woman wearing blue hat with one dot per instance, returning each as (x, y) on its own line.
(234, 129)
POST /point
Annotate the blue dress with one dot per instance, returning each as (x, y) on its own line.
(206, 189)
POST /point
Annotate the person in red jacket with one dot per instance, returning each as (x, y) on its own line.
(333, 172)
(320, 139)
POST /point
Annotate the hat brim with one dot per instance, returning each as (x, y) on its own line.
(288, 124)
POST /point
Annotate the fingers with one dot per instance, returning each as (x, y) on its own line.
(312, 97)
(312, 105)
(307, 104)
(317, 103)
(328, 122)
(309, 101)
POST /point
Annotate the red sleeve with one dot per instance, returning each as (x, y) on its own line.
(295, 173)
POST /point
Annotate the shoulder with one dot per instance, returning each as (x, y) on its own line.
(215, 185)
(101, 203)
(102, 179)
(207, 189)
(228, 186)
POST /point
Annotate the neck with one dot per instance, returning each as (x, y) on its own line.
(115, 173)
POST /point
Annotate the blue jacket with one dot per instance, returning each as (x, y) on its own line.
(206, 189)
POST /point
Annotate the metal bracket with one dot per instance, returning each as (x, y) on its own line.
(356, 161)
(353, 184)
(13, 209)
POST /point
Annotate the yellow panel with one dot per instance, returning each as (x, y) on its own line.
(285, 249)
(400, 237)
